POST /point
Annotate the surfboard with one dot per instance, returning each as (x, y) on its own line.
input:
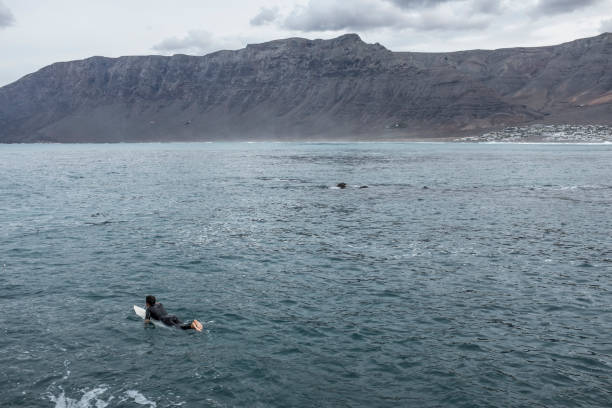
(142, 313)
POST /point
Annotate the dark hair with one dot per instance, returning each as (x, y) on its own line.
(150, 300)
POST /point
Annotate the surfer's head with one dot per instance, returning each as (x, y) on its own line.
(150, 300)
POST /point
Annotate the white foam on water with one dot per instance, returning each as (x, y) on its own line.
(140, 399)
(581, 187)
(66, 365)
(93, 399)
(89, 399)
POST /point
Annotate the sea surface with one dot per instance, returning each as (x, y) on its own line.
(465, 275)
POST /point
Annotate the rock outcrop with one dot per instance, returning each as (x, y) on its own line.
(296, 89)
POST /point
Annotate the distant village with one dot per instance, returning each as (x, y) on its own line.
(547, 134)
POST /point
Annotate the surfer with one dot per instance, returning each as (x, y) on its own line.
(156, 311)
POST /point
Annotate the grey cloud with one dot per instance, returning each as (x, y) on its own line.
(408, 4)
(337, 15)
(196, 42)
(478, 6)
(487, 6)
(554, 7)
(201, 40)
(320, 15)
(265, 16)
(6, 17)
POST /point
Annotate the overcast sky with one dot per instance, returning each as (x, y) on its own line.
(35, 33)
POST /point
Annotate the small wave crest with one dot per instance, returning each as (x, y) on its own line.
(96, 398)
(90, 398)
(139, 398)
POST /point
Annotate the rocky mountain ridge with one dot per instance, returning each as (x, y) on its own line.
(298, 89)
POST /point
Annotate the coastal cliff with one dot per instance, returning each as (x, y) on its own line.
(298, 89)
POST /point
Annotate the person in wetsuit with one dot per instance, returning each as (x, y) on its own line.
(156, 311)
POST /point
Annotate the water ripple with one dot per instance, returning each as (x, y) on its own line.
(465, 275)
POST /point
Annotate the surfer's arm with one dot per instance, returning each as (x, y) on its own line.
(147, 318)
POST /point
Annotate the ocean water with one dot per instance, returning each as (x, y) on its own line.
(465, 275)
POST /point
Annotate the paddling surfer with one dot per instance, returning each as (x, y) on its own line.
(156, 311)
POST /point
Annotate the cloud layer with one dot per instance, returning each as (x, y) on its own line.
(266, 15)
(197, 42)
(322, 15)
(422, 15)
(6, 17)
(554, 7)
(410, 4)
(426, 15)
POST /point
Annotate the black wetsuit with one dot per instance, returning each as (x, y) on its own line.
(158, 312)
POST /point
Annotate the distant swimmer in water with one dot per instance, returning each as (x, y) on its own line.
(156, 311)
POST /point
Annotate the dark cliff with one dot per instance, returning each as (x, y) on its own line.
(301, 89)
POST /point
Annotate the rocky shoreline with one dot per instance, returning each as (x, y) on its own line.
(545, 134)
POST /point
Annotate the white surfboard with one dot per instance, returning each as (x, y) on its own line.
(140, 311)
(143, 313)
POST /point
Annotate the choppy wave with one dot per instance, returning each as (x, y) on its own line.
(90, 398)
(100, 397)
(490, 287)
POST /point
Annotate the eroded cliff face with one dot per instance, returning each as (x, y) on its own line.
(301, 89)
